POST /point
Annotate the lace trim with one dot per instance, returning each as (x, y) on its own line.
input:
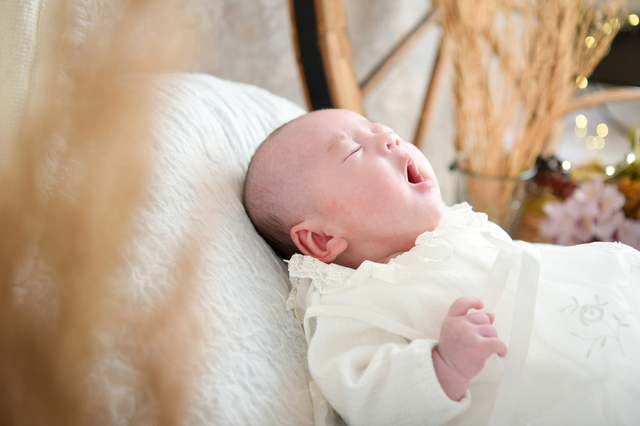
(459, 216)
(430, 247)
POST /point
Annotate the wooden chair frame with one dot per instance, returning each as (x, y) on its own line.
(325, 61)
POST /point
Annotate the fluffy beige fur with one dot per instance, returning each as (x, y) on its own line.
(68, 200)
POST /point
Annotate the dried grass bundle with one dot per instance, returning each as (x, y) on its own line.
(68, 200)
(518, 65)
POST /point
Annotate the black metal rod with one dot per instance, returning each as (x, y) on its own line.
(310, 55)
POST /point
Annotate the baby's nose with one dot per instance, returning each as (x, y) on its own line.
(393, 144)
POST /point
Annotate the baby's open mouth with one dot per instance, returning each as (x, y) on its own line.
(413, 176)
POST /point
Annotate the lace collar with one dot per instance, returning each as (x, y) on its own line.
(430, 247)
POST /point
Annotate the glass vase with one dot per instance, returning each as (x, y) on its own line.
(500, 197)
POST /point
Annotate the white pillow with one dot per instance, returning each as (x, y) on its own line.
(253, 369)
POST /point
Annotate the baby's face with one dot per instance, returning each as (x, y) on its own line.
(374, 188)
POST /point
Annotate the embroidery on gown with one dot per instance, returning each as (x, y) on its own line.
(330, 278)
(591, 314)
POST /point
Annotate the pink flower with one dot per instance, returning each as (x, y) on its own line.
(607, 228)
(592, 211)
(560, 224)
(611, 201)
(589, 192)
(629, 233)
(611, 216)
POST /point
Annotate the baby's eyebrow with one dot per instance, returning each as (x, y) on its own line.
(336, 140)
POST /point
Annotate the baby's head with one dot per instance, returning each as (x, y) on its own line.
(335, 186)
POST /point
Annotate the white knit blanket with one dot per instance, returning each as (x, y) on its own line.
(253, 370)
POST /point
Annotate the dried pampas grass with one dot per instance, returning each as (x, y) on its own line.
(518, 65)
(67, 206)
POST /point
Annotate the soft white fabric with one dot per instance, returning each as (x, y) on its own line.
(254, 371)
(251, 353)
(582, 359)
(253, 368)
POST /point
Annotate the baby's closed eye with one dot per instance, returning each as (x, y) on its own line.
(358, 148)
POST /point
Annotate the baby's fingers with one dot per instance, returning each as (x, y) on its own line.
(493, 343)
(487, 331)
(462, 305)
(496, 346)
(480, 318)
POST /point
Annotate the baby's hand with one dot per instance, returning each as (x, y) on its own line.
(466, 341)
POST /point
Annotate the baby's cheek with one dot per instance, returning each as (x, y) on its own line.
(351, 209)
(344, 207)
(382, 197)
(333, 206)
(365, 203)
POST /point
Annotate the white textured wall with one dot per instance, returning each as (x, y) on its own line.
(249, 41)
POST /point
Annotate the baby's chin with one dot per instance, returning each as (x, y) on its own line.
(387, 259)
(410, 243)
(432, 216)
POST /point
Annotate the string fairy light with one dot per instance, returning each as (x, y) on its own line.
(602, 130)
(582, 81)
(581, 126)
(581, 132)
(595, 142)
(590, 42)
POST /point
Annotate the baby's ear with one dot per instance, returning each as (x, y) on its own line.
(315, 243)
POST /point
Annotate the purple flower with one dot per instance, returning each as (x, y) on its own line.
(592, 212)
(559, 224)
(607, 228)
(611, 216)
(589, 192)
(611, 202)
(629, 233)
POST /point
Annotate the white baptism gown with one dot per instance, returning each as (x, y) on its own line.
(575, 361)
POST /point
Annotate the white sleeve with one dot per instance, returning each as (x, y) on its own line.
(373, 377)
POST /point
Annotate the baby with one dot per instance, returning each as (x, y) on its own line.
(388, 275)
